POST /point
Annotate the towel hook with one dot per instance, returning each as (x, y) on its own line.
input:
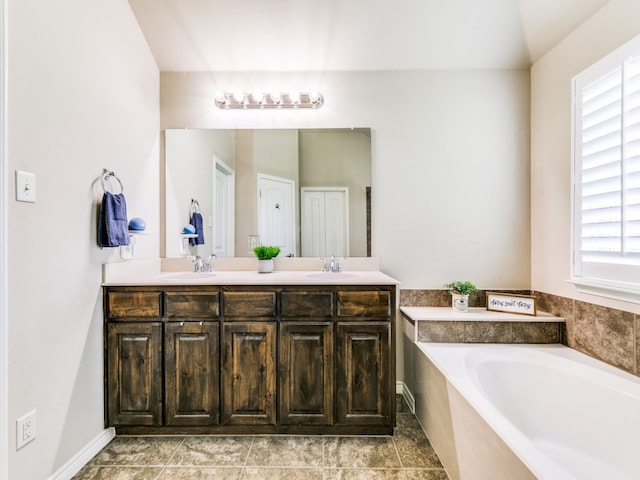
(106, 175)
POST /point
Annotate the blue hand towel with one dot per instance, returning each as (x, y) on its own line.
(112, 223)
(196, 221)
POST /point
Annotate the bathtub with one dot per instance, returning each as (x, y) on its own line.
(518, 412)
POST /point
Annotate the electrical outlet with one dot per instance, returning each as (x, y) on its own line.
(25, 429)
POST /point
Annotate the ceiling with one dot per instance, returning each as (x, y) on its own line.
(326, 35)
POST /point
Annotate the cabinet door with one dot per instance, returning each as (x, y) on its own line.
(248, 373)
(364, 374)
(191, 373)
(306, 373)
(134, 373)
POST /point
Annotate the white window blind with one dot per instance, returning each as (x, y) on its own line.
(606, 248)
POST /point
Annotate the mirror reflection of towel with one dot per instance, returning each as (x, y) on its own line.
(196, 221)
(112, 222)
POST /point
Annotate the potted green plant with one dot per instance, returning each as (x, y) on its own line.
(460, 292)
(265, 254)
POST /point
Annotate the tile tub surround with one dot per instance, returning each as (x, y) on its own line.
(608, 334)
(406, 455)
(446, 325)
(488, 332)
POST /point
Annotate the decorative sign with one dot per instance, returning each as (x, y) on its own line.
(511, 303)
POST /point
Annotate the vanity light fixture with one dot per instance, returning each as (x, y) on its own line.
(257, 99)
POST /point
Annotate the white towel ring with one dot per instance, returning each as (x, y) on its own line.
(106, 175)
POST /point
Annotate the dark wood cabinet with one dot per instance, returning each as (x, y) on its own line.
(191, 372)
(249, 374)
(250, 359)
(306, 373)
(134, 379)
(364, 374)
(133, 304)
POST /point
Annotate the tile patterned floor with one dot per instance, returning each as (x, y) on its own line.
(407, 455)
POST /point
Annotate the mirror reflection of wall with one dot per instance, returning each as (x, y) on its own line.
(314, 158)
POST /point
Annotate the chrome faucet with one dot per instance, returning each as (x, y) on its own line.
(331, 265)
(203, 266)
(208, 265)
(198, 265)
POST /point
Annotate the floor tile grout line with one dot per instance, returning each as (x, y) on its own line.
(161, 472)
(324, 461)
(175, 451)
(246, 459)
(395, 447)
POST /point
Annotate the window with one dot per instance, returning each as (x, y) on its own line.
(606, 200)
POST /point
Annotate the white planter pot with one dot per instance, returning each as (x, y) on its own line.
(265, 266)
(460, 302)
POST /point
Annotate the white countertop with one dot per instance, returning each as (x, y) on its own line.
(474, 314)
(283, 277)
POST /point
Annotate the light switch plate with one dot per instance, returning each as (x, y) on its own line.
(25, 187)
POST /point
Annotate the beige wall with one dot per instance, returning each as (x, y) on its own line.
(83, 95)
(551, 77)
(450, 160)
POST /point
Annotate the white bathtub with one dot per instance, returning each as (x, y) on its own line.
(518, 412)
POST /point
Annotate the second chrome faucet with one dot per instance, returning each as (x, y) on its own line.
(203, 266)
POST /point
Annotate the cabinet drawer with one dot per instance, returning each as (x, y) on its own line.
(306, 304)
(133, 304)
(249, 304)
(191, 304)
(364, 303)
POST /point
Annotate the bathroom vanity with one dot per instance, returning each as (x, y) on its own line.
(241, 352)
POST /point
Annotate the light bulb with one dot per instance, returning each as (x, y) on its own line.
(294, 96)
(258, 96)
(238, 96)
(276, 98)
(314, 97)
(221, 98)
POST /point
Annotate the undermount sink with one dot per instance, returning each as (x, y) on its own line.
(187, 275)
(329, 275)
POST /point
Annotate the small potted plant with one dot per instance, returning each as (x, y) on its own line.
(265, 256)
(460, 292)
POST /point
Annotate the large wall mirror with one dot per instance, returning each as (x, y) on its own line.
(306, 191)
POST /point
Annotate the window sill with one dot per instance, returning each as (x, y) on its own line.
(616, 291)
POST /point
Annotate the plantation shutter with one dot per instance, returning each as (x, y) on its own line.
(632, 156)
(607, 173)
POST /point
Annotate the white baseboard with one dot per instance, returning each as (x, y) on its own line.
(80, 459)
(402, 389)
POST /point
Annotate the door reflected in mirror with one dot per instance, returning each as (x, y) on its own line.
(304, 190)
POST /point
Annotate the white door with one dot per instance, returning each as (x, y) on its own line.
(276, 214)
(223, 210)
(324, 221)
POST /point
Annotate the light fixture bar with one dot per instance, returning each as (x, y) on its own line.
(259, 100)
